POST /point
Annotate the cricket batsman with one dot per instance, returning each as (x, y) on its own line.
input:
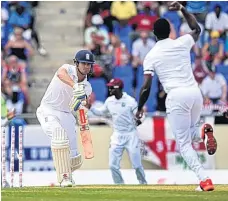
(170, 59)
(57, 113)
(122, 109)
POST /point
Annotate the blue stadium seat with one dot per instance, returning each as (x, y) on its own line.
(223, 70)
(152, 102)
(174, 18)
(99, 88)
(123, 33)
(122, 71)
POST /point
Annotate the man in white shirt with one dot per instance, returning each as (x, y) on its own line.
(217, 21)
(57, 113)
(122, 109)
(214, 87)
(170, 59)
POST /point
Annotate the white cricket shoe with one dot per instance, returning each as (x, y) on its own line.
(67, 181)
(198, 189)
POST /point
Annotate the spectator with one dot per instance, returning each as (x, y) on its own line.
(144, 21)
(123, 10)
(32, 5)
(14, 74)
(200, 70)
(103, 9)
(217, 21)
(153, 5)
(198, 8)
(20, 17)
(213, 51)
(18, 46)
(23, 17)
(118, 51)
(214, 87)
(96, 36)
(4, 27)
(140, 48)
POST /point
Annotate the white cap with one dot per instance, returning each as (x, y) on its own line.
(97, 19)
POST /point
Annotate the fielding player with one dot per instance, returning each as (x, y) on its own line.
(170, 59)
(122, 109)
(57, 113)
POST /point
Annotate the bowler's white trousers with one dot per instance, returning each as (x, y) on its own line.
(183, 107)
(51, 119)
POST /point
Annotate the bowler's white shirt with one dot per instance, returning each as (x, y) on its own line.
(58, 94)
(170, 60)
(122, 111)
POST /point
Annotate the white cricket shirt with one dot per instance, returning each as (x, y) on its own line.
(59, 94)
(122, 111)
(170, 59)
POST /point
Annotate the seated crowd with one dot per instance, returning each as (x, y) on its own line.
(120, 35)
(17, 48)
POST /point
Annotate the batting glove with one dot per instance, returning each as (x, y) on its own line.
(79, 92)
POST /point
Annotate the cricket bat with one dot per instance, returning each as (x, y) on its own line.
(85, 133)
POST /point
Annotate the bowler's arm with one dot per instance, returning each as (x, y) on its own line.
(145, 91)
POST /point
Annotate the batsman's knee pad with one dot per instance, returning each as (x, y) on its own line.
(61, 154)
(76, 162)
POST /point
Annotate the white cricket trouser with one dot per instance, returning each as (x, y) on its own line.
(183, 107)
(130, 142)
(51, 119)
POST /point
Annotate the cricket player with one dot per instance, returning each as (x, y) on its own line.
(57, 113)
(170, 59)
(122, 109)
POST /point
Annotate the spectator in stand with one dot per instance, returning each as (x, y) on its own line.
(14, 74)
(23, 17)
(214, 87)
(118, 51)
(103, 9)
(140, 48)
(217, 21)
(4, 27)
(154, 7)
(96, 37)
(198, 8)
(123, 10)
(20, 17)
(213, 50)
(144, 21)
(200, 70)
(18, 46)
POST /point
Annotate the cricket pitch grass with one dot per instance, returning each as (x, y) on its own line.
(115, 193)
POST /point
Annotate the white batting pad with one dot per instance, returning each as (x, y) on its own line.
(61, 154)
(76, 162)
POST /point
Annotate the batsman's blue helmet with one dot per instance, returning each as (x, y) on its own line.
(84, 56)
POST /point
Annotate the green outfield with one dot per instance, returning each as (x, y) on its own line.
(115, 193)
